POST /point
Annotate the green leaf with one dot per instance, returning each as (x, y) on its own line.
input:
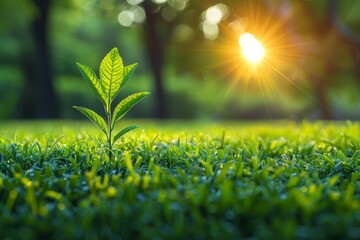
(128, 71)
(123, 131)
(113, 77)
(92, 81)
(111, 74)
(125, 105)
(94, 117)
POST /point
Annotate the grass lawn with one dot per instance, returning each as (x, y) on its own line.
(181, 180)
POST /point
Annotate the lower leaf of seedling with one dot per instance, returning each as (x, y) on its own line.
(113, 77)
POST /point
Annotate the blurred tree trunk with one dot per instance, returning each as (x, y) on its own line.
(330, 26)
(322, 99)
(155, 44)
(38, 98)
(345, 34)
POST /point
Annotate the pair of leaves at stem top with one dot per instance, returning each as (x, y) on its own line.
(113, 77)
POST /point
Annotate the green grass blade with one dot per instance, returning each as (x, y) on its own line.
(123, 131)
(94, 117)
(125, 105)
(128, 71)
(92, 81)
(355, 158)
(49, 150)
(111, 74)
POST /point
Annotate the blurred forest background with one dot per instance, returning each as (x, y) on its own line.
(188, 55)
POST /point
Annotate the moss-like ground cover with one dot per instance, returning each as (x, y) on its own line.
(181, 180)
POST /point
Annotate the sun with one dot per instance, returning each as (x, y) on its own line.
(251, 48)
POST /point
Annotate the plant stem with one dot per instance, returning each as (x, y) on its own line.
(109, 137)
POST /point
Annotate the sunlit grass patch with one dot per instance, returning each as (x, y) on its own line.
(180, 179)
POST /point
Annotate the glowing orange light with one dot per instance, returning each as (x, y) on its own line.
(251, 48)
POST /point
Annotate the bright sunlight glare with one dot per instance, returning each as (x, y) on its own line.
(251, 48)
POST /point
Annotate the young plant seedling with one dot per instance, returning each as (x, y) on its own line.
(113, 77)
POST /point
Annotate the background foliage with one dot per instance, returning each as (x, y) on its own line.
(187, 55)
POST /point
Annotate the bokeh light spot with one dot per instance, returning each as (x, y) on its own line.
(159, 1)
(126, 18)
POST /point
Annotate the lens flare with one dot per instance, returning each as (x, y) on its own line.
(251, 48)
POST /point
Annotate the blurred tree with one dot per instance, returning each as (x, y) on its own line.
(160, 20)
(156, 38)
(29, 30)
(38, 98)
(327, 39)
